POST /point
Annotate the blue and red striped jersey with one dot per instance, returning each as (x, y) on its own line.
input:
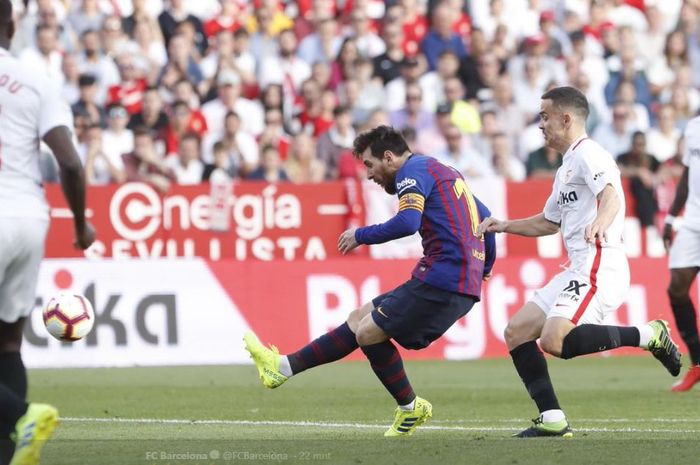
(453, 253)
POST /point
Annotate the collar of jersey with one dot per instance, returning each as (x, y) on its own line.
(575, 144)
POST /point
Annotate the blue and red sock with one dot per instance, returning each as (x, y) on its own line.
(388, 366)
(330, 347)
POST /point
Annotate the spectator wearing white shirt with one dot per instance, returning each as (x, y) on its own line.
(45, 58)
(241, 147)
(322, 45)
(93, 61)
(368, 43)
(186, 166)
(86, 15)
(662, 139)
(286, 68)
(101, 167)
(117, 139)
(616, 136)
(229, 99)
(460, 156)
(505, 163)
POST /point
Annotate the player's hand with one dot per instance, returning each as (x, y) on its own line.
(594, 232)
(487, 276)
(667, 236)
(347, 241)
(491, 224)
(84, 237)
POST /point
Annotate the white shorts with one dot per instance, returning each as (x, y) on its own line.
(685, 250)
(587, 295)
(21, 252)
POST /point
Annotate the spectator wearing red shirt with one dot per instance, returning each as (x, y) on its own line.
(226, 20)
(312, 117)
(182, 121)
(415, 27)
(129, 92)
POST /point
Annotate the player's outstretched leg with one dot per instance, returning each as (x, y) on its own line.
(531, 365)
(275, 369)
(654, 337)
(412, 411)
(267, 361)
(32, 431)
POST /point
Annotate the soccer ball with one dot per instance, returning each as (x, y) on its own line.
(69, 317)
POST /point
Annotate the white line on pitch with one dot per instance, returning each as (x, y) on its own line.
(318, 424)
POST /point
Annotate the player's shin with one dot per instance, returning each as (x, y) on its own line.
(388, 366)
(13, 390)
(686, 321)
(531, 365)
(589, 339)
(332, 346)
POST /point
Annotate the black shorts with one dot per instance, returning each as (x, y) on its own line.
(415, 313)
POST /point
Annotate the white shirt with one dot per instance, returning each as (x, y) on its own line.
(250, 113)
(115, 144)
(586, 169)
(691, 159)
(286, 72)
(185, 175)
(30, 106)
(662, 146)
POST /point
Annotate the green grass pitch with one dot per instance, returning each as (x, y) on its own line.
(621, 410)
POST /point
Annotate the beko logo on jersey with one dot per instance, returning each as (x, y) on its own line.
(567, 197)
(405, 183)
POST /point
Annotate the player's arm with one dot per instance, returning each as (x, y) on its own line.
(608, 206)
(534, 226)
(404, 223)
(72, 182)
(676, 207)
(489, 240)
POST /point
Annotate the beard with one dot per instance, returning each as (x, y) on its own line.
(390, 188)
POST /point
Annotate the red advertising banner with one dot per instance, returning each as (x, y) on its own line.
(283, 221)
(268, 222)
(311, 298)
(192, 311)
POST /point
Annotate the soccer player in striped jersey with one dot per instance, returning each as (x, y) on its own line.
(587, 205)
(433, 199)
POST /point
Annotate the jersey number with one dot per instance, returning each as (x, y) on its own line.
(461, 190)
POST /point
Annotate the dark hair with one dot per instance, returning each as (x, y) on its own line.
(568, 98)
(5, 12)
(190, 136)
(140, 131)
(379, 140)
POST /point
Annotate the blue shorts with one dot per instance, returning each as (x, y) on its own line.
(415, 313)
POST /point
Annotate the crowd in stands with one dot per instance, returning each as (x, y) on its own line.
(173, 91)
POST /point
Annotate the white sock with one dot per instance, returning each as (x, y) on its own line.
(410, 406)
(646, 332)
(285, 368)
(551, 416)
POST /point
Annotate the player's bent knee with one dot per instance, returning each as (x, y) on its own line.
(516, 335)
(552, 345)
(353, 320)
(369, 333)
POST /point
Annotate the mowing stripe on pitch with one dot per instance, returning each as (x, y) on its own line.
(321, 424)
